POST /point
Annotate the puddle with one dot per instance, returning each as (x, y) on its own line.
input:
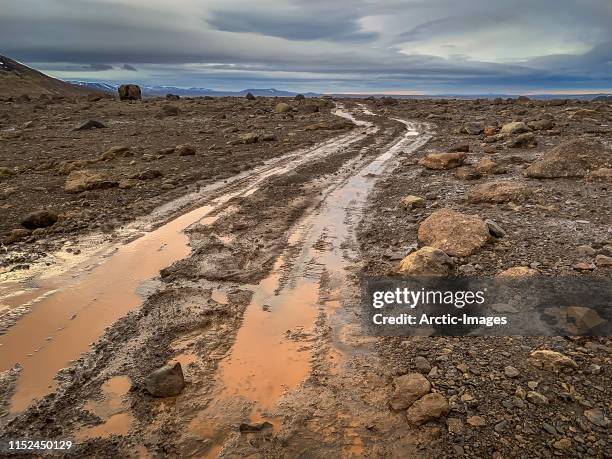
(73, 309)
(112, 408)
(272, 351)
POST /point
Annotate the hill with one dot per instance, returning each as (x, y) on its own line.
(17, 79)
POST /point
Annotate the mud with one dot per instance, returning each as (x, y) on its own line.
(259, 301)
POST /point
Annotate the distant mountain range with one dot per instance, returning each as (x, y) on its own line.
(194, 92)
(150, 91)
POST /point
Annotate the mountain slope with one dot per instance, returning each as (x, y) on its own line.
(17, 79)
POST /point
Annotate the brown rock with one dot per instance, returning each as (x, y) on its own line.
(499, 192)
(427, 408)
(282, 107)
(412, 202)
(517, 272)
(488, 166)
(129, 92)
(603, 261)
(463, 147)
(551, 360)
(39, 219)
(114, 152)
(167, 381)
(574, 158)
(169, 110)
(439, 161)
(185, 150)
(408, 389)
(82, 180)
(455, 233)
(427, 261)
(467, 173)
(603, 174)
(516, 127)
(476, 421)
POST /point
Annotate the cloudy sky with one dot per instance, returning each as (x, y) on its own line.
(392, 46)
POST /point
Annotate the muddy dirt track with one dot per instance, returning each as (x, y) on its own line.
(247, 273)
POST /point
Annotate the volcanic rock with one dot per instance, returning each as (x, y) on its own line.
(427, 261)
(39, 219)
(167, 381)
(455, 233)
(439, 161)
(574, 158)
(82, 180)
(408, 389)
(129, 92)
(427, 408)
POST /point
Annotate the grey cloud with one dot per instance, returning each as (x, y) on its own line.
(321, 42)
(129, 67)
(98, 67)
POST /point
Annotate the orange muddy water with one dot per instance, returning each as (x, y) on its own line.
(272, 351)
(70, 311)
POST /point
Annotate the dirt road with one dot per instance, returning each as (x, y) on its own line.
(258, 298)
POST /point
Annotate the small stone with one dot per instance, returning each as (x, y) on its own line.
(596, 416)
(585, 251)
(603, 261)
(551, 360)
(408, 389)
(516, 127)
(583, 267)
(467, 173)
(476, 421)
(455, 426)
(427, 261)
(412, 202)
(427, 408)
(517, 272)
(39, 219)
(167, 381)
(422, 364)
(282, 107)
(440, 161)
(185, 150)
(473, 127)
(562, 444)
(500, 192)
(548, 428)
(89, 125)
(494, 229)
(511, 372)
(536, 398)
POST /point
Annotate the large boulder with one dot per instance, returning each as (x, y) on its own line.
(439, 161)
(427, 408)
(499, 192)
(574, 158)
(167, 381)
(39, 219)
(83, 180)
(408, 389)
(427, 261)
(129, 92)
(455, 233)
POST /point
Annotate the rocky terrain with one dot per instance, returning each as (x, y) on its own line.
(379, 187)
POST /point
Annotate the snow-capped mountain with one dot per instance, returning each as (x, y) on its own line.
(163, 90)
